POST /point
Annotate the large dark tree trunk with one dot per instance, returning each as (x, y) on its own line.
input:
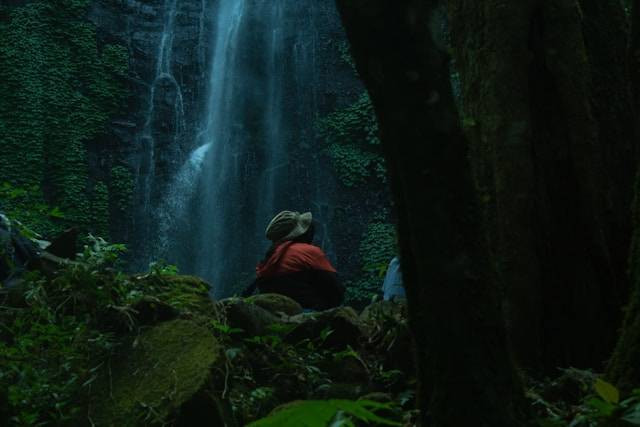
(551, 149)
(466, 376)
(624, 365)
(634, 59)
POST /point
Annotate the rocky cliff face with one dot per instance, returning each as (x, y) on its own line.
(168, 44)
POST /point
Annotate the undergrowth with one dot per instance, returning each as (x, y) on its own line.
(57, 330)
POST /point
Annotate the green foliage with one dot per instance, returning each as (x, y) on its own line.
(161, 268)
(345, 55)
(121, 189)
(256, 361)
(600, 405)
(185, 293)
(321, 413)
(37, 218)
(606, 406)
(57, 332)
(351, 135)
(59, 90)
(356, 120)
(377, 248)
(55, 345)
(99, 212)
(355, 165)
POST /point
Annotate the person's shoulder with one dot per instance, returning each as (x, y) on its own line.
(307, 248)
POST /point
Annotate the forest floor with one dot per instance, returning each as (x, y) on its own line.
(85, 344)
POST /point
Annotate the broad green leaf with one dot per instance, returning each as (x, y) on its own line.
(632, 416)
(607, 391)
(320, 413)
(604, 409)
(56, 213)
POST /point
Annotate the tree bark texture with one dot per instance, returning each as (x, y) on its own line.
(624, 366)
(551, 158)
(466, 375)
(634, 53)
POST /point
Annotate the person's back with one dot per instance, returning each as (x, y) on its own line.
(296, 268)
(393, 287)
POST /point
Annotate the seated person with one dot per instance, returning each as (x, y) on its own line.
(296, 268)
(392, 287)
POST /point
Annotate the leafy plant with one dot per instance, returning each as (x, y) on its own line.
(59, 90)
(161, 267)
(321, 413)
(37, 218)
(602, 405)
(377, 247)
(606, 405)
(353, 143)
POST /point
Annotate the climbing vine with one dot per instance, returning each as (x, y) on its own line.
(121, 189)
(353, 144)
(100, 210)
(59, 90)
(37, 219)
(377, 247)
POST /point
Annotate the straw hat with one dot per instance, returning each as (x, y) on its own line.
(288, 225)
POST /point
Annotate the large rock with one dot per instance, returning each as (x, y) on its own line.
(385, 323)
(17, 252)
(336, 328)
(165, 371)
(184, 293)
(251, 318)
(276, 304)
(384, 310)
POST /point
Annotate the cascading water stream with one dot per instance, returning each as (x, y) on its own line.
(163, 78)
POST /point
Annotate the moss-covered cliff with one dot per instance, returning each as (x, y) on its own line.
(60, 87)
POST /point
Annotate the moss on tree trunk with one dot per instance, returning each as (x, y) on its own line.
(540, 117)
(623, 368)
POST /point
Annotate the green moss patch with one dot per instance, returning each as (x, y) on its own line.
(166, 366)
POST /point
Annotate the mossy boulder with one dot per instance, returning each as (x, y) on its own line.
(336, 328)
(380, 310)
(386, 328)
(150, 311)
(184, 293)
(251, 318)
(276, 304)
(166, 369)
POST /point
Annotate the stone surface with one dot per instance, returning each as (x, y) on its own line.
(164, 371)
(251, 318)
(385, 323)
(150, 311)
(340, 390)
(276, 304)
(340, 327)
(184, 293)
(384, 309)
(349, 368)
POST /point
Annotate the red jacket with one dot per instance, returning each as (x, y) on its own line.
(302, 272)
(291, 257)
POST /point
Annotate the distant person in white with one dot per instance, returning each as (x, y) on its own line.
(392, 287)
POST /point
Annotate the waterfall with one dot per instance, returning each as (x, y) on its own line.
(173, 212)
(165, 93)
(255, 137)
